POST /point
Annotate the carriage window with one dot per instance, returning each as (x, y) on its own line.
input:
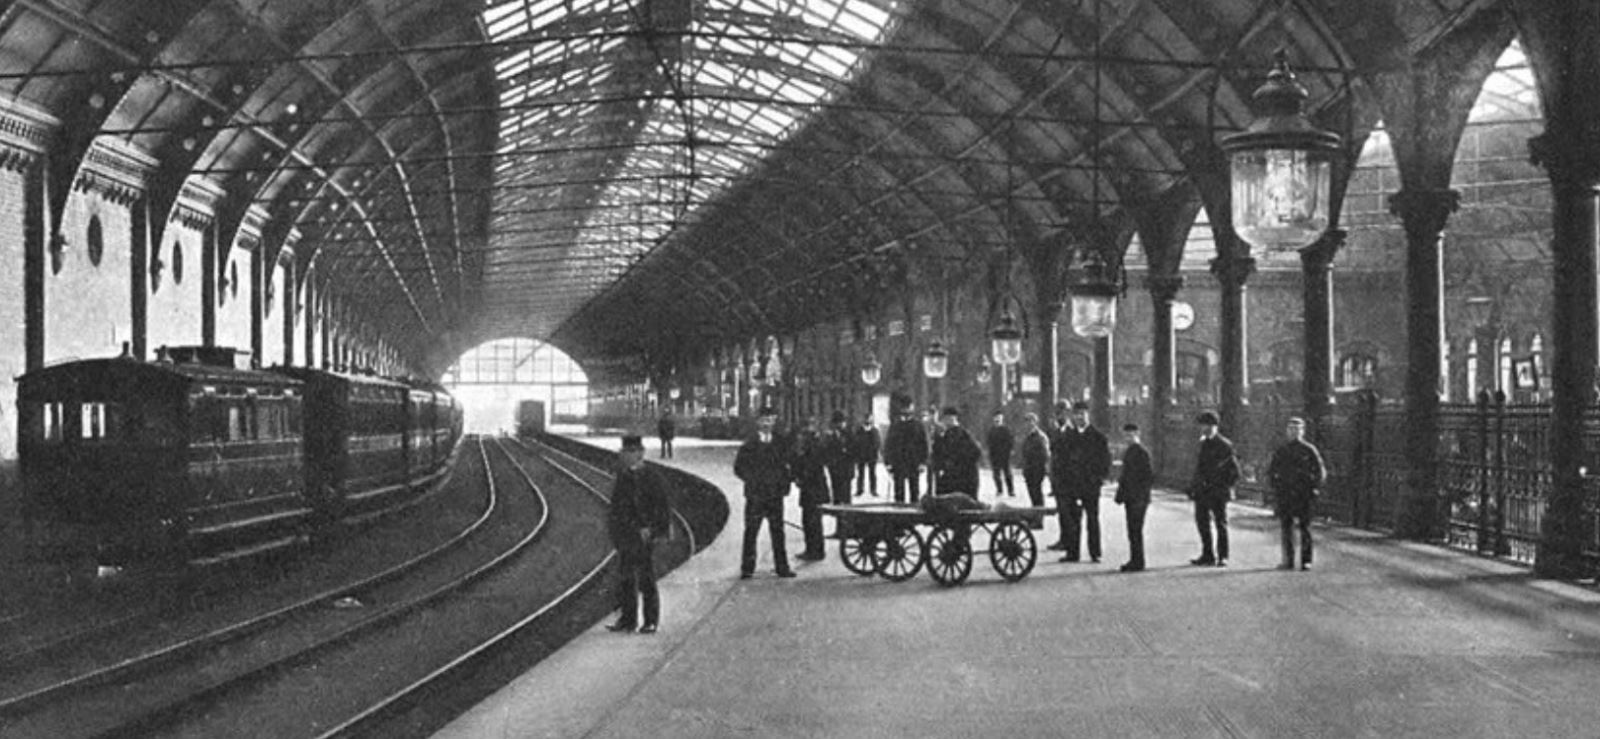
(49, 427)
(94, 420)
(235, 423)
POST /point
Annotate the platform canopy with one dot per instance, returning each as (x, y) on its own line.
(642, 177)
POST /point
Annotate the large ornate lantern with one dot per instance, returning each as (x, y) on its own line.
(1005, 341)
(1280, 167)
(871, 371)
(1094, 301)
(936, 362)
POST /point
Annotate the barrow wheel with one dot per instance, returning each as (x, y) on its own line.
(900, 555)
(859, 555)
(1012, 551)
(950, 555)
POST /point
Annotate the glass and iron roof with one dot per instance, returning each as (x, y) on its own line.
(621, 121)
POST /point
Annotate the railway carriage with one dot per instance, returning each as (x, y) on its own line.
(129, 458)
(195, 457)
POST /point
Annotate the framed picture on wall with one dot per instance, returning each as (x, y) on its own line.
(1525, 373)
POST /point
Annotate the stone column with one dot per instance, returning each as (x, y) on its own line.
(1163, 368)
(1423, 214)
(1050, 359)
(258, 278)
(1101, 390)
(35, 231)
(309, 359)
(286, 293)
(1232, 271)
(1316, 263)
(139, 273)
(208, 284)
(1569, 150)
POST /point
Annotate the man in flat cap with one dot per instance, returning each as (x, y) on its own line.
(905, 450)
(762, 463)
(1216, 471)
(637, 518)
(1295, 473)
(1133, 493)
(1080, 461)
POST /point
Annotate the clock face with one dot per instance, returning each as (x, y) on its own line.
(1182, 315)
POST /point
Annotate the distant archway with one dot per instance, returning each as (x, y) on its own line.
(492, 378)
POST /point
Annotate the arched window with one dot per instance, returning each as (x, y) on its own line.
(1356, 371)
(1472, 370)
(1503, 361)
(96, 239)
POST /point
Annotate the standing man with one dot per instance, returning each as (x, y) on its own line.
(1216, 471)
(1000, 441)
(955, 456)
(1133, 493)
(1058, 485)
(1035, 464)
(865, 443)
(762, 463)
(810, 469)
(636, 519)
(930, 432)
(1081, 462)
(905, 450)
(666, 428)
(1295, 473)
(839, 457)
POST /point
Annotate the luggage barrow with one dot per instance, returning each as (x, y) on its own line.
(883, 539)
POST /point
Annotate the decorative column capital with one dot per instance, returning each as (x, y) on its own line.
(1317, 258)
(1163, 288)
(1423, 213)
(1233, 271)
(1569, 153)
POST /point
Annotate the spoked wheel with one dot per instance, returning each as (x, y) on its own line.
(859, 555)
(900, 555)
(950, 555)
(1012, 550)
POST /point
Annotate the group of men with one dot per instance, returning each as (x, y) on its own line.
(1073, 454)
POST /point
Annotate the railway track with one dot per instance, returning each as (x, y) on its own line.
(46, 697)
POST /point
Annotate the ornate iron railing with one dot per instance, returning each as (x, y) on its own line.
(1494, 472)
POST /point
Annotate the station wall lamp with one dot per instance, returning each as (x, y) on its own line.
(936, 362)
(1280, 167)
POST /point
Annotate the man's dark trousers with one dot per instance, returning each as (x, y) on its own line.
(1135, 512)
(1207, 510)
(772, 511)
(1079, 508)
(638, 578)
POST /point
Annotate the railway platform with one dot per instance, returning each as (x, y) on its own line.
(1381, 638)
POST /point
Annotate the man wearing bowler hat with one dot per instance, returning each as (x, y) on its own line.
(1215, 473)
(637, 518)
(1080, 461)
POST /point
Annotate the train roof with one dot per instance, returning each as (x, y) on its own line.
(312, 375)
(118, 376)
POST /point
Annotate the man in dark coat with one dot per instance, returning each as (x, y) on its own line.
(865, 443)
(1295, 473)
(1133, 493)
(1216, 471)
(762, 463)
(838, 457)
(905, 451)
(1035, 463)
(1000, 441)
(955, 456)
(810, 469)
(667, 429)
(1080, 463)
(636, 519)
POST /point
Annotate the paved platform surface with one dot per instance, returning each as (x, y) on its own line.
(1380, 639)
